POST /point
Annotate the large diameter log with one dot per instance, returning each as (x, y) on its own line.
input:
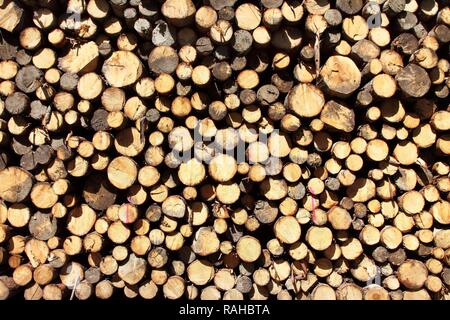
(16, 184)
(179, 12)
(11, 15)
(338, 116)
(306, 100)
(413, 80)
(174, 287)
(37, 252)
(43, 195)
(80, 220)
(341, 76)
(200, 272)
(265, 211)
(83, 58)
(99, 193)
(29, 78)
(42, 226)
(8, 287)
(133, 270)
(362, 190)
(123, 68)
(412, 274)
(122, 172)
(287, 229)
(174, 206)
(248, 16)
(205, 242)
(163, 59)
(248, 249)
(288, 38)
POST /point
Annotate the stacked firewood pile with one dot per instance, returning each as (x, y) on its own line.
(224, 149)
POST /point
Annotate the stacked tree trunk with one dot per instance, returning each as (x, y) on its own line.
(224, 149)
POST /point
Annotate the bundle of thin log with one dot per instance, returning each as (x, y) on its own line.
(224, 149)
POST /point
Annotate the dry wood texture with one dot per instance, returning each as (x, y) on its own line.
(224, 149)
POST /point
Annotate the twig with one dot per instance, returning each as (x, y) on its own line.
(313, 215)
(75, 287)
